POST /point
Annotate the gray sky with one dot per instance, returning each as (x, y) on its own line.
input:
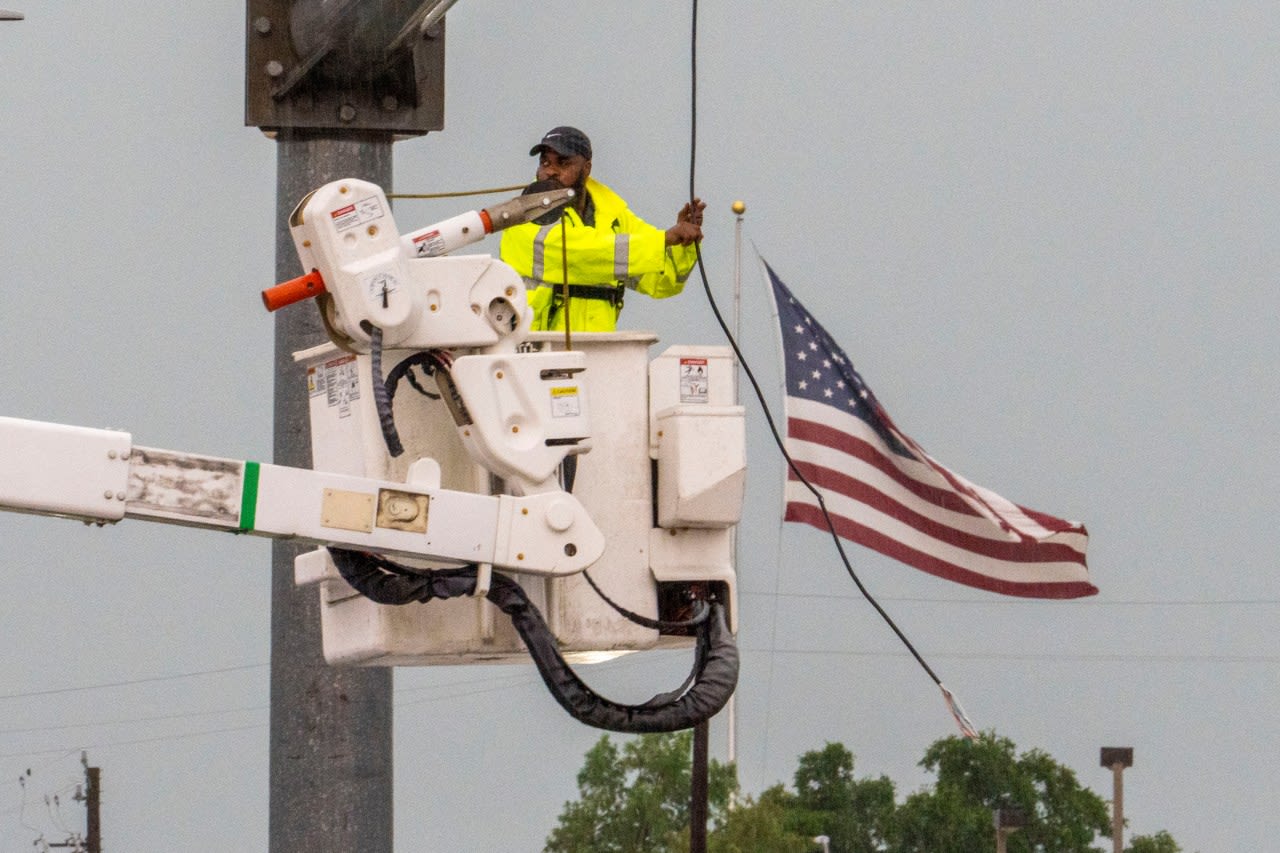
(1044, 232)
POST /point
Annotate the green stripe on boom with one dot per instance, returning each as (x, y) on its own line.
(249, 496)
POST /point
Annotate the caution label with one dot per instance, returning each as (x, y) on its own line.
(338, 380)
(428, 245)
(565, 402)
(694, 384)
(355, 215)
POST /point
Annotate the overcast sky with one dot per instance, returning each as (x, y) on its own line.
(1044, 232)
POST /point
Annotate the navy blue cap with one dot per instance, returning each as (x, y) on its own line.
(565, 141)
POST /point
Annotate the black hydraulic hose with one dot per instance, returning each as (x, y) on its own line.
(381, 397)
(714, 675)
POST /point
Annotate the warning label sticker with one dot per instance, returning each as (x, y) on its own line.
(354, 215)
(694, 387)
(565, 402)
(428, 245)
(338, 381)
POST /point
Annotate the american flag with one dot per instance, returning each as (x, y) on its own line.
(884, 492)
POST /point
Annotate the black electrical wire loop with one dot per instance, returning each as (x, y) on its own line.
(702, 611)
(711, 681)
(426, 361)
(384, 390)
(746, 369)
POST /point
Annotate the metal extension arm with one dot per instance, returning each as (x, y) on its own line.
(100, 476)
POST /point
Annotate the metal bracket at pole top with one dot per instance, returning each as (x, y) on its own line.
(343, 66)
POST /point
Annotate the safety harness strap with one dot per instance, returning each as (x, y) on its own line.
(605, 293)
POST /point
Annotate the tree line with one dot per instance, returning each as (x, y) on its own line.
(634, 798)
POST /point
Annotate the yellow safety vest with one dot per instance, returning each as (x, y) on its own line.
(621, 251)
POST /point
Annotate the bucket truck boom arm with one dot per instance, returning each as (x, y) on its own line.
(100, 476)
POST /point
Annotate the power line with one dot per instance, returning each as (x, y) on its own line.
(158, 739)
(147, 680)
(442, 694)
(1023, 602)
(523, 682)
(132, 720)
(1029, 656)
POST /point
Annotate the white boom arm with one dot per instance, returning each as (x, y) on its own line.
(100, 476)
(518, 414)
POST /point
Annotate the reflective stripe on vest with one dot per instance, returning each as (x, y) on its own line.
(539, 252)
(621, 255)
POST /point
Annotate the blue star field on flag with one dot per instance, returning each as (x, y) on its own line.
(817, 368)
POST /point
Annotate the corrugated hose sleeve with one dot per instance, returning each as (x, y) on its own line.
(381, 398)
(714, 675)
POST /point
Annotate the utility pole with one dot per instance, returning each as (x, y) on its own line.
(90, 796)
(331, 751)
(1117, 758)
(335, 84)
(93, 823)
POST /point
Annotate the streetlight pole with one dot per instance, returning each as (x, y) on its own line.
(1117, 758)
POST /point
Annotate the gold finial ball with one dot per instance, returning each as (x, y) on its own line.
(739, 207)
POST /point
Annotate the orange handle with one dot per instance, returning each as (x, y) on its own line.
(294, 290)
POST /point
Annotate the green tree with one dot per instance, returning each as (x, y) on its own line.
(637, 800)
(856, 815)
(975, 777)
(758, 826)
(1161, 842)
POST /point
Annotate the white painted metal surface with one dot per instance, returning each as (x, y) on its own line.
(689, 376)
(614, 482)
(524, 412)
(54, 469)
(374, 278)
(702, 465)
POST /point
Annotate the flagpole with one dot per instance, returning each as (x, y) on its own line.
(739, 208)
(782, 395)
(782, 506)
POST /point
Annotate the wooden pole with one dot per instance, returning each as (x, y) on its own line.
(93, 827)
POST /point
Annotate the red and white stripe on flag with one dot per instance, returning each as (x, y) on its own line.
(884, 492)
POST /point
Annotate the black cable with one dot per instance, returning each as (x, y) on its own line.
(746, 368)
(381, 396)
(699, 615)
(693, 103)
(384, 390)
(427, 361)
(711, 680)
